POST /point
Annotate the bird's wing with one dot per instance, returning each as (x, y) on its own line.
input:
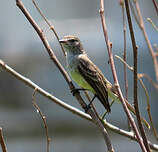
(95, 78)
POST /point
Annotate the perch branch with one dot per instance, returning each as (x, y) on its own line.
(65, 75)
(50, 26)
(74, 110)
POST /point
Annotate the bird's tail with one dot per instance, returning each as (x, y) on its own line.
(105, 103)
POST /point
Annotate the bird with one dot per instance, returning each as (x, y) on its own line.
(84, 72)
(88, 76)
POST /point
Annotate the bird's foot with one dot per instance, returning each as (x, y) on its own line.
(74, 91)
(87, 108)
(89, 105)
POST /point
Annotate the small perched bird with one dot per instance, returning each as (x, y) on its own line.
(88, 76)
(84, 72)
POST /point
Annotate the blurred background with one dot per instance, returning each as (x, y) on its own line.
(21, 48)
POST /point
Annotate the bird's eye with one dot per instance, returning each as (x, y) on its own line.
(72, 40)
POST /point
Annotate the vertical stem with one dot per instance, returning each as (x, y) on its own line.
(125, 54)
(3, 145)
(142, 27)
(109, 49)
(155, 5)
(135, 78)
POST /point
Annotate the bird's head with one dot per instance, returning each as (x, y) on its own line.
(72, 44)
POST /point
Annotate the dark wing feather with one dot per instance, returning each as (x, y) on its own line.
(95, 78)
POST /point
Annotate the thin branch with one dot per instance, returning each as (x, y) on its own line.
(156, 48)
(65, 74)
(74, 110)
(115, 76)
(43, 119)
(125, 54)
(50, 26)
(151, 81)
(133, 11)
(148, 107)
(152, 23)
(139, 76)
(146, 148)
(156, 6)
(2, 142)
(142, 27)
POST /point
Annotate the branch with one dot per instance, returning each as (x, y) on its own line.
(74, 110)
(122, 4)
(153, 24)
(65, 75)
(142, 27)
(155, 5)
(50, 26)
(43, 119)
(3, 145)
(109, 49)
(140, 76)
(144, 147)
(151, 81)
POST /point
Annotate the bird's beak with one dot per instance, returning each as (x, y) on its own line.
(62, 41)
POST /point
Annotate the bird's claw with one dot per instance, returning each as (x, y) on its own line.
(74, 91)
(87, 108)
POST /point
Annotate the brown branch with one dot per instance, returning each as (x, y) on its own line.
(148, 107)
(43, 119)
(3, 145)
(109, 49)
(146, 148)
(142, 27)
(125, 54)
(156, 6)
(140, 76)
(65, 75)
(153, 24)
(74, 110)
(151, 81)
(50, 26)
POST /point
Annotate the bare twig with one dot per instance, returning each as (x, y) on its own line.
(156, 48)
(3, 145)
(65, 75)
(124, 54)
(139, 76)
(133, 11)
(156, 6)
(142, 27)
(50, 26)
(148, 107)
(74, 110)
(152, 23)
(115, 76)
(43, 119)
(150, 80)
(146, 148)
